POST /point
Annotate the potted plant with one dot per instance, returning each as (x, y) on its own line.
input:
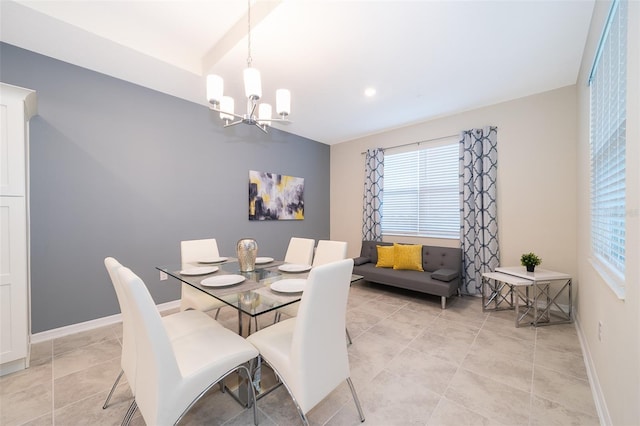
(530, 261)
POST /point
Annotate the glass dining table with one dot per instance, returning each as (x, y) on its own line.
(253, 295)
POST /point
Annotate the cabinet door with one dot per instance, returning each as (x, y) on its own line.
(12, 144)
(14, 292)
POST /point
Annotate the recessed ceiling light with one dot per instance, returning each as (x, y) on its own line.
(369, 92)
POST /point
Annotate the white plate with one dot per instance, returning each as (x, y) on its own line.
(289, 286)
(199, 270)
(222, 280)
(212, 260)
(261, 260)
(294, 267)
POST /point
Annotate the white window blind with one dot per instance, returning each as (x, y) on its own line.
(608, 88)
(421, 192)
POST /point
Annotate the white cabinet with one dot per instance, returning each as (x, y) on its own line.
(17, 106)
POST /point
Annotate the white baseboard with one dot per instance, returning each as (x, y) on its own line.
(91, 325)
(596, 390)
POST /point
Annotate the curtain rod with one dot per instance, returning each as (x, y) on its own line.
(419, 142)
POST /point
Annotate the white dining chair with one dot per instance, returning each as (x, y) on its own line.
(191, 252)
(329, 251)
(300, 251)
(176, 325)
(326, 252)
(308, 353)
(171, 375)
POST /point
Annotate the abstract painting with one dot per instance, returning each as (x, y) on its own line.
(275, 197)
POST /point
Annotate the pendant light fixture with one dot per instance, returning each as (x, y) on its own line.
(259, 115)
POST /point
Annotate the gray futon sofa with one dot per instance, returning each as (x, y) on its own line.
(441, 277)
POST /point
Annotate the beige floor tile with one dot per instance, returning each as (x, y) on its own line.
(506, 326)
(24, 379)
(449, 413)
(491, 399)
(548, 413)
(46, 420)
(562, 337)
(85, 338)
(407, 315)
(564, 389)
(397, 400)
(41, 353)
(358, 321)
(379, 307)
(88, 411)
(568, 362)
(85, 357)
(374, 350)
(432, 372)
(74, 387)
(26, 405)
(452, 347)
(214, 408)
(500, 367)
(279, 407)
(505, 344)
(400, 333)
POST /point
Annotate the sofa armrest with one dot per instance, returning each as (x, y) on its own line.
(361, 260)
(445, 275)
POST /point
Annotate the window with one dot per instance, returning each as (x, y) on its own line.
(608, 89)
(421, 192)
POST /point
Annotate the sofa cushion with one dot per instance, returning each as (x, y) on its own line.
(407, 256)
(445, 275)
(385, 257)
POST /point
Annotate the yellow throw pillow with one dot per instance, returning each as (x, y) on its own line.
(407, 256)
(385, 256)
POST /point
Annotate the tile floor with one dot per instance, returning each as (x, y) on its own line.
(411, 362)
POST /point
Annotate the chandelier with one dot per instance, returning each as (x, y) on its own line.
(253, 91)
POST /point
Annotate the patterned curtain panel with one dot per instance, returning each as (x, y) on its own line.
(478, 205)
(372, 203)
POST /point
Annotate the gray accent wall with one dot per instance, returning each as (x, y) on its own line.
(120, 170)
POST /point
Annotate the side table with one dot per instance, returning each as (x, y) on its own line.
(547, 287)
(502, 291)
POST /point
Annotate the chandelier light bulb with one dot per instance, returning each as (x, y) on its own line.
(252, 85)
(264, 114)
(283, 102)
(215, 88)
(226, 108)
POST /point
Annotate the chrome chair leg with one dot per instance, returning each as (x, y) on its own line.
(355, 398)
(129, 414)
(113, 388)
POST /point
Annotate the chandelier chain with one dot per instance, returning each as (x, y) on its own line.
(249, 33)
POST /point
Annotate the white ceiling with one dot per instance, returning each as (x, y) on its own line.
(425, 58)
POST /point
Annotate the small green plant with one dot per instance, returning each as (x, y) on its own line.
(530, 260)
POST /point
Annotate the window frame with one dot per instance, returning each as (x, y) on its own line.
(452, 195)
(607, 143)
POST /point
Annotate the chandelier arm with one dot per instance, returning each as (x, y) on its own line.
(233, 123)
(240, 116)
(260, 126)
(278, 120)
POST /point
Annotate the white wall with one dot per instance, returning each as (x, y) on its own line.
(536, 176)
(614, 361)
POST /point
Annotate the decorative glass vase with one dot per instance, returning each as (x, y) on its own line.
(247, 250)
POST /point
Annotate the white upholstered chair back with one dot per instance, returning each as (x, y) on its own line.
(300, 251)
(329, 251)
(319, 360)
